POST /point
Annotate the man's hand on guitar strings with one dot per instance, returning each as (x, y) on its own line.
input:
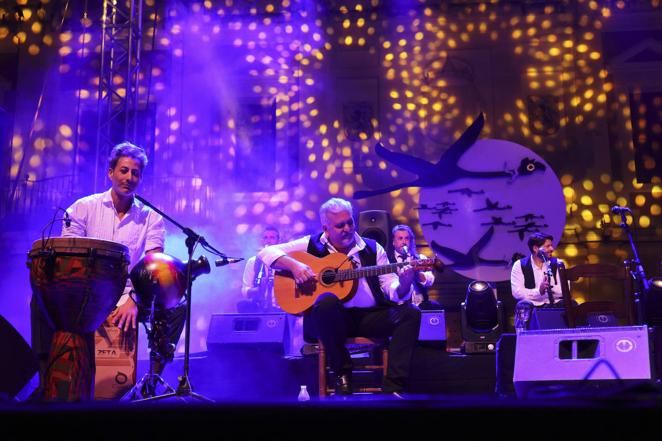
(302, 273)
(406, 275)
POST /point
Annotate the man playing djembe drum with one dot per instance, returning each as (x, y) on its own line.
(117, 216)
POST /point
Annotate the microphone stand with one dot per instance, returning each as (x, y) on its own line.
(184, 388)
(637, 273)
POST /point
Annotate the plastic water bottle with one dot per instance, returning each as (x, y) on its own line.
(303, 394)
(522, 315)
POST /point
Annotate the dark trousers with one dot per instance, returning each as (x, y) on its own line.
(333, 324)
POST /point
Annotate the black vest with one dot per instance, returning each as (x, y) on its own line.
(367, 256)
(527, 270)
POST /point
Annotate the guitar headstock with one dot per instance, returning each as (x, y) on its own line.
(427, 264)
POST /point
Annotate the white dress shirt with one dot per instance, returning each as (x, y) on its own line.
(520, 292)
(141, 229)
(363, 297)
(425, 278)
(248, 281)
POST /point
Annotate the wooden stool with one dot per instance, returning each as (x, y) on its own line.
(354, 344)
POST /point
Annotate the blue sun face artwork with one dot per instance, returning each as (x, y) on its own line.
(480, 202)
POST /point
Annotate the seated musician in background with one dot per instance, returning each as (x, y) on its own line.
(403, 249)
(530, 279)
(257, 282)
(376, 309)
(117, 216)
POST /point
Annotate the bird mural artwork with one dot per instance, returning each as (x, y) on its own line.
(446, 170)
(479, 201)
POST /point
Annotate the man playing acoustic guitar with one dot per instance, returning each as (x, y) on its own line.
(373, 307)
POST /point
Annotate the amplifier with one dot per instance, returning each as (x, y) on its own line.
(433, 326)
(116, 358)
(263, 329)
(573, 356)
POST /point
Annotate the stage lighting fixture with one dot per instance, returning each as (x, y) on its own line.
(653, 303)
(482, 322)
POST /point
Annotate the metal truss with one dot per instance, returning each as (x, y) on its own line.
(117, 105)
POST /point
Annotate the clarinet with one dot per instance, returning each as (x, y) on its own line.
(550, 294)
(259, 281)
(550, 275)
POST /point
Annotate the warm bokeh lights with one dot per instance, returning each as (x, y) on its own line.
(258, 111)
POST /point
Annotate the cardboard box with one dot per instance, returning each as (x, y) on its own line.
(116, 357)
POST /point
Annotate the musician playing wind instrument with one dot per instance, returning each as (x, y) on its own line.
(534, 279)
(372, 310)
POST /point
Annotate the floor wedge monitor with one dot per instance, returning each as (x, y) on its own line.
(265, 330)
(580, 358)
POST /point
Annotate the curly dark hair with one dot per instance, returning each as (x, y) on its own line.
(130, 150)
(538, 239)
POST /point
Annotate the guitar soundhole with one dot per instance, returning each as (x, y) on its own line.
(328, 277)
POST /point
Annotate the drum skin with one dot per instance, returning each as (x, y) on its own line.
(77, 280)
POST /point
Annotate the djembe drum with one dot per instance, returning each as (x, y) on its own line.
(77, 282)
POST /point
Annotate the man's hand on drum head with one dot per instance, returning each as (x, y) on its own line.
(125, 315)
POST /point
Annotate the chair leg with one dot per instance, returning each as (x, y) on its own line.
(384, 360)
(321, 371)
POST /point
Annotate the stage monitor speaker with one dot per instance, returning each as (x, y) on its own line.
(376, 225)
(547, 318)
(601, 319)
(433, 326)
(259, 330)
(580, 358)
(20, 363)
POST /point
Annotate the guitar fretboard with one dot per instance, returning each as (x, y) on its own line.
(368, 271)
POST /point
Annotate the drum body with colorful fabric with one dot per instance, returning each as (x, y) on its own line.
(77, 282)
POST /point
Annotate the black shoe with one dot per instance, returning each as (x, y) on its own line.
(343, 385)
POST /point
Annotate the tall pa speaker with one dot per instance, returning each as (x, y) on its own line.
(20, 363)
(580, 358)
(376, 225)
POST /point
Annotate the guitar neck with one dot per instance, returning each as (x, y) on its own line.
(368, 271)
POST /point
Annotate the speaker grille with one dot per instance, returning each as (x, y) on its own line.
(376, 225)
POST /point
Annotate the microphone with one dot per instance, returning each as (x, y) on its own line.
(67, 219)
(405, 250)
(542, 255)
(228, 260)
(616, 209)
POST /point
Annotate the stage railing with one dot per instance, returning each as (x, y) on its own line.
(34, 194)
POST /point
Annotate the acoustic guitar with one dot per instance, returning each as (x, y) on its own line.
(335, 274)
